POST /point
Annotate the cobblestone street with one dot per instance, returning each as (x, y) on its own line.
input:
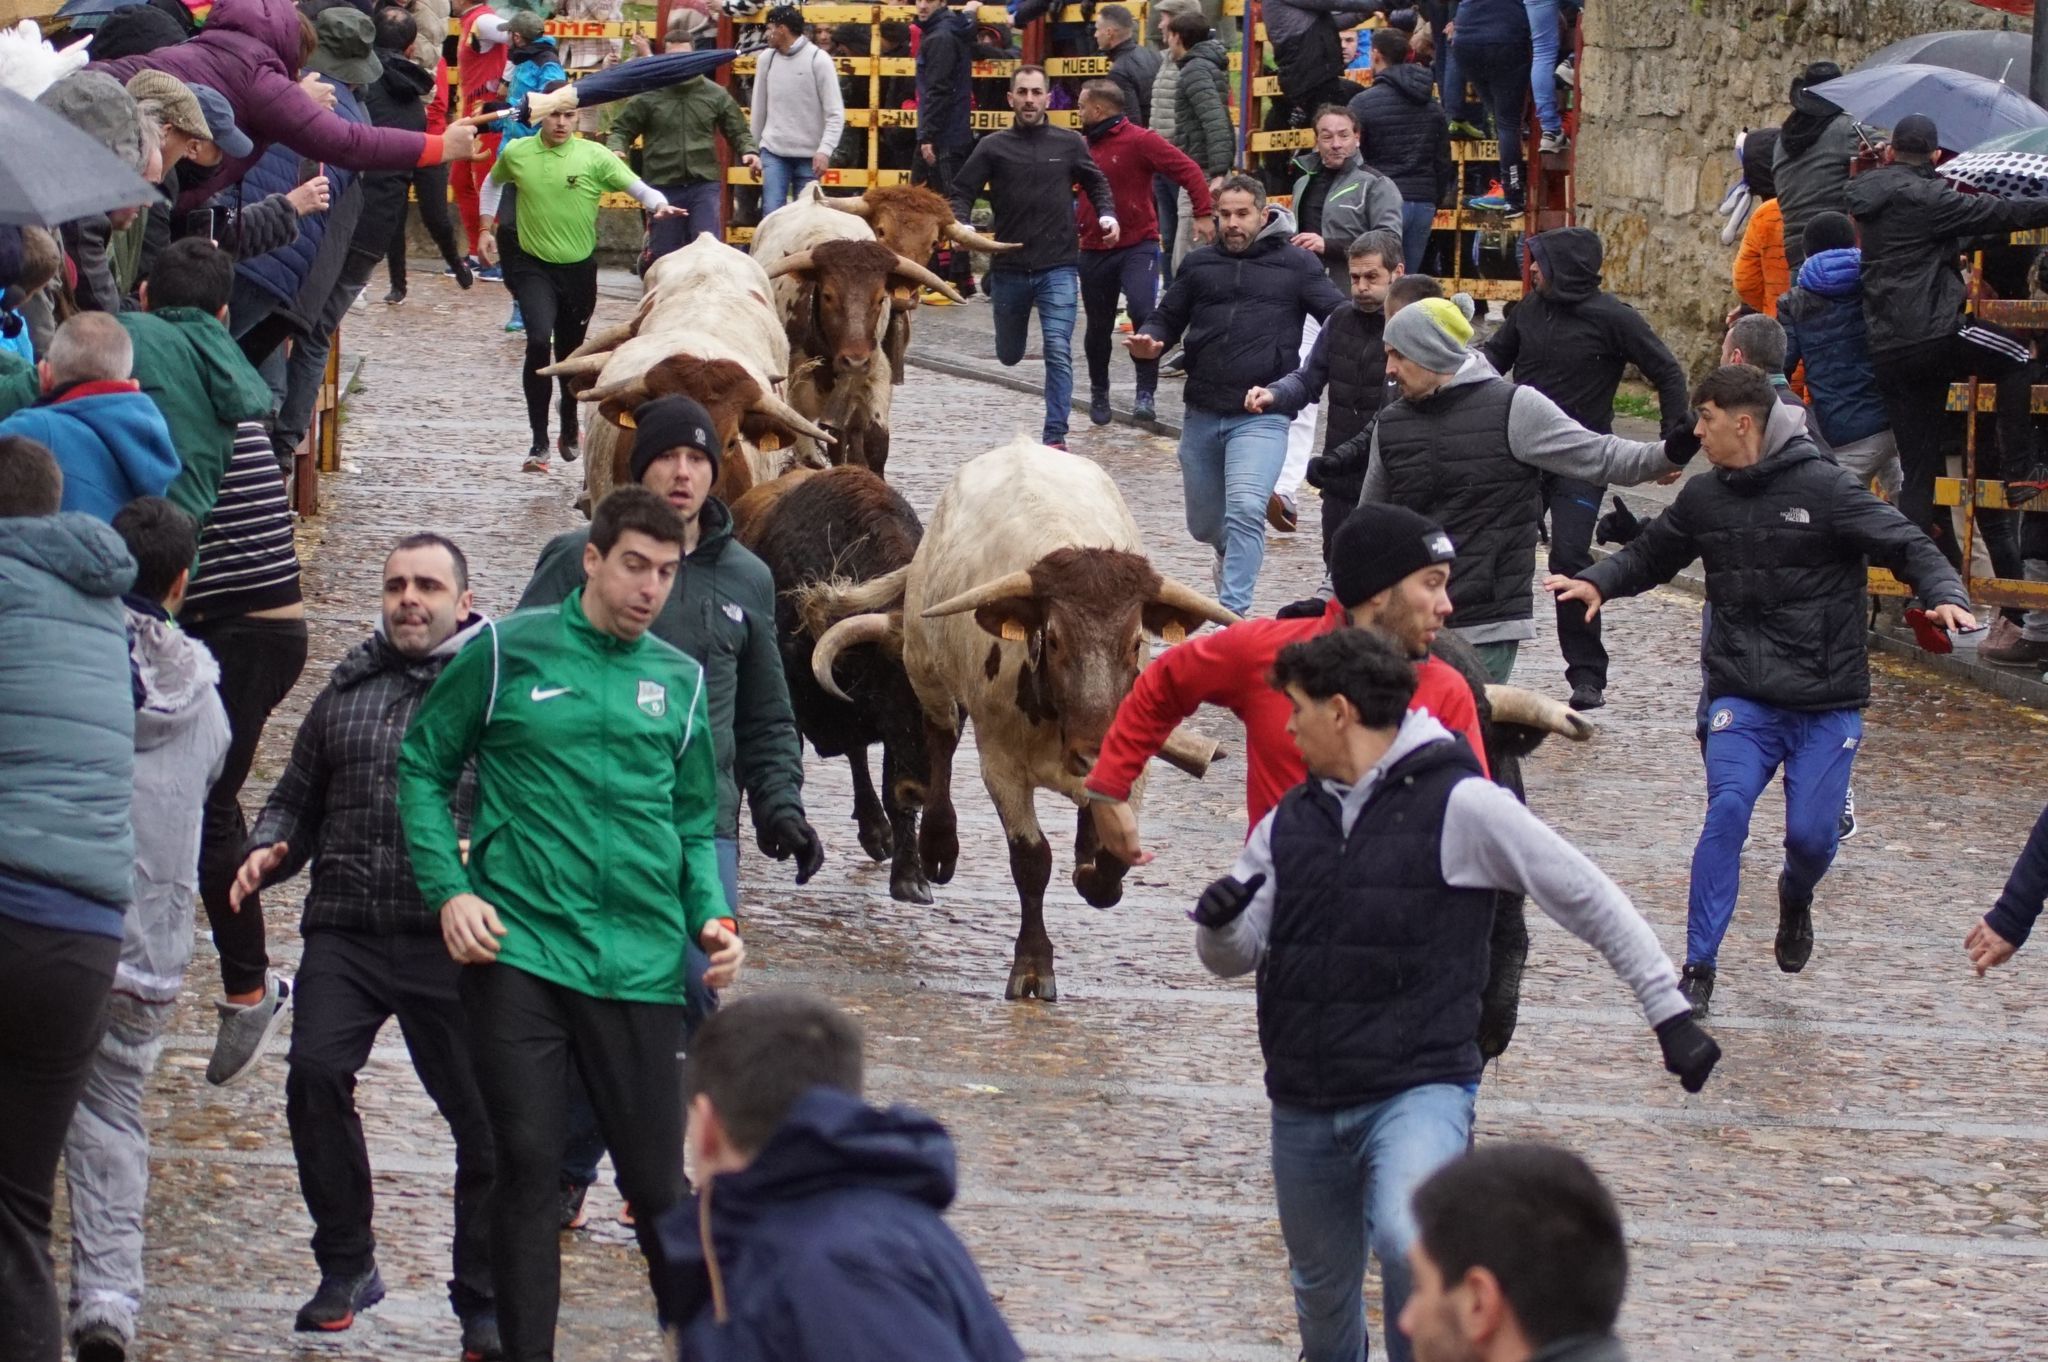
(1866, 1175)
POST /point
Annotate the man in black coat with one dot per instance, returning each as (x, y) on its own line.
(1571, 342)
(398, 99)
(373, 946)
(1786, 536)
(1237, 309)
(945, 115)
(1404, 135)
(1132, 67)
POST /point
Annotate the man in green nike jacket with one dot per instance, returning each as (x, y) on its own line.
(590, 869)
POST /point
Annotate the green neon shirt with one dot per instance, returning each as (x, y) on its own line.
(558, 192)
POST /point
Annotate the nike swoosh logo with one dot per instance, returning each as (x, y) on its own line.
(540, 695)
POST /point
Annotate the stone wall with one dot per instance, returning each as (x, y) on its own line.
(1666, 85)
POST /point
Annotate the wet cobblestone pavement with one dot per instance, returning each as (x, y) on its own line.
(1866, 1175)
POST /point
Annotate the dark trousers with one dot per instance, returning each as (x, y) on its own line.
(430, 185)
(556, 301)
(1573, 507)
(1501, 76)
(306, 370)
(701, 203)
(1336, 507)
(260, 661)
(952, 263)
(349, 985)
(524, 1032)
(1166, 205)
(1129, 272)
(53, 1004)
(1914, 382)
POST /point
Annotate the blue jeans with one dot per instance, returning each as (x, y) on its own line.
(1056, 293)
(1228, 465)
(783, 178)
(1344, 1180)
(586, 1144)
(1747, 742)
(1416, 219)
(1543, 62)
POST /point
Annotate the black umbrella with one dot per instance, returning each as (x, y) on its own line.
(626, 80)
(1994, 54)
(74, 9)
(53, 173)
(1966, 109)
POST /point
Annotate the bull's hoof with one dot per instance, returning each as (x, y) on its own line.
(1032, 979)
(877, 841)
(938, 850)
(1099, 886)
(907, 884)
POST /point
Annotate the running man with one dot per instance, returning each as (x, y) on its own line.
(550, 258)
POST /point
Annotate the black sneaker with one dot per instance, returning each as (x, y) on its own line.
(1587, 697)
(480, 1340)
(1696, 986)
(334, 1306)
(568, 447)
(1098, 408)
(394, 298)
(99, 1343)
(1175, 365)
(1849, 827)
(573, 1215)
(465, 277)
(1145, 406)
(1795, 930)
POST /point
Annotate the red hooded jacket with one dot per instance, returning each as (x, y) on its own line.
(1130, 156)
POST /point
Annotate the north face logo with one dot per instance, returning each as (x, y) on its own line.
(1796, 515)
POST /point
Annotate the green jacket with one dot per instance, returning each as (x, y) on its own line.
(722, 613)
(195, 373)
(675, 126)
(19, 386)
(595, 791)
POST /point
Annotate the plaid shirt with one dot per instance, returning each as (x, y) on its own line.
(336, 803)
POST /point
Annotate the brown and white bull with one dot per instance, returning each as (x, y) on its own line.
(706, 326)
(836, 286)
(1026, 610)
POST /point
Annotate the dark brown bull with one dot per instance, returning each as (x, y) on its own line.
(911, 220)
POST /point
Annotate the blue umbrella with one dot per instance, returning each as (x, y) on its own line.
(626, 80)
(1966, 109)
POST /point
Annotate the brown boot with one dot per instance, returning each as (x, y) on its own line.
(2008, 647)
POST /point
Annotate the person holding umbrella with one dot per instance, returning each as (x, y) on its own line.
(1810, 166)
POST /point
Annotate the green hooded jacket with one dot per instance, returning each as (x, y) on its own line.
(722, 613)
(676, 126)
(197, 376)
(595, 794)
(19, 386)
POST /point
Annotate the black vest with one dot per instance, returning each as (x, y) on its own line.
(1358, 373)
(1374, 965)
(1447, 457)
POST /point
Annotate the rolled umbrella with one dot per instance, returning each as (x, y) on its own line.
(626, 80)
(53, 173)
(1995, 54)
(75, 9)
(1966, 109)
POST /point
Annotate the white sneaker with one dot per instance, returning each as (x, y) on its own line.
(1849, 827)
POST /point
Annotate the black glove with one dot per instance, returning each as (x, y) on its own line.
(1222, 901)
(790, 835)
(1302, 610)
(1618, 526)
(1689, 1051)
(1681, 445)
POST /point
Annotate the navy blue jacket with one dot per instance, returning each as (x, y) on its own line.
(1823, 321)
(283, 272)
(2012, 917)
(1492, 23)
(830, 1245)
(945, 67)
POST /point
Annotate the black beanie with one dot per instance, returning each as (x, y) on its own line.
(1378, 545)
(672, 423)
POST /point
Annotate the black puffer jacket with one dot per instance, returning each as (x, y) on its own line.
(1404, 134)
(1787, 543)
(337, 802)
(1240, 315)
(1571, 342)
(1134, 68)
(397, 99)
(1911, 222)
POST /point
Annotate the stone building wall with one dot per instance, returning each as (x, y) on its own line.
(1667, 85)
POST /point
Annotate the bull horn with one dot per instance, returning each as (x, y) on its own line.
(966, 236)
(1519, 705)
(918, 274)
(1003, 588)
(577, 364)
(605, 392)
(860, 208)
(791, 264)
(1191, 602)
(850, 632)
(1189, 751)
(768, 404)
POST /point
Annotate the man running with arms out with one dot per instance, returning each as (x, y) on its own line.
(551, 256)
(1392, 573)
(591, 867)
(1786, 536)
(1365, 901)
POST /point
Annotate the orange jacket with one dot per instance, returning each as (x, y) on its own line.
(1761, 272)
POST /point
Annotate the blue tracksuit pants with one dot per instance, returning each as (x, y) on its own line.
(1747, 742)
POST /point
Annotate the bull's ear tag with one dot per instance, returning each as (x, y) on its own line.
(769, 441)
(625, 419)
(1013, 631)
(1174, 632)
